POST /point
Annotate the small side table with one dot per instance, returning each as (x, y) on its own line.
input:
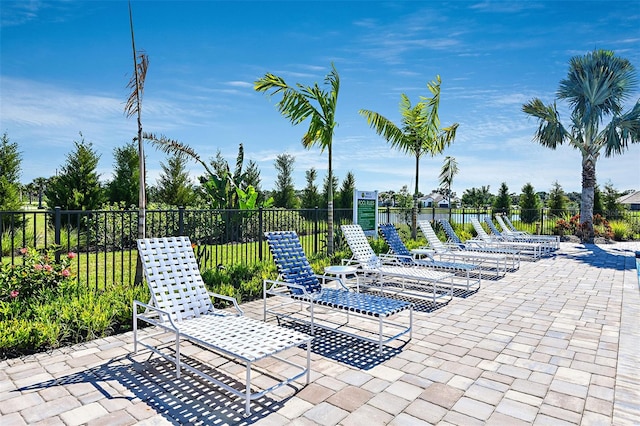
(341, 272)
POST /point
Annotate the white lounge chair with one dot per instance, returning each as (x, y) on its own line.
(181, 305)
(552, 240)
(531, 251)
(474, 245)
(497, 262)
(399, 251)
(376, 270)
(303, 290)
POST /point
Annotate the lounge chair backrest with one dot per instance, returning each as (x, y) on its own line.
(173, 276)
(392, 238)
(482, 234)
(451, 234)
(509, 223)
(292, 263)
(360, 247)
(431, 236)
(491, 226)
(503, 225)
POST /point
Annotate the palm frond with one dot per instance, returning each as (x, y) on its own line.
(621, 132)
(136, 84)
(173, 147)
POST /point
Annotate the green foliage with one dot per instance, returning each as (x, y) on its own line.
(174, 184)
(9, 201)
(241, 281)
(621, 230)
(529, 204)
(10, 160)
(477, 197)
(124, 188)
(284, 194)
(37, 276)
(502, 203)
(77, 187)
(310, 195)
(345, 196)
(42, 306)
(557, 201)
(612, 208)
(112, 228)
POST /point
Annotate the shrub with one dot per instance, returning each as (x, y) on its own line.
(621, 230)
(38, 274)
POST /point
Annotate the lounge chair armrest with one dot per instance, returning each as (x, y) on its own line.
(163, 315)
(389, 259)
(228, 299)
(279, 283)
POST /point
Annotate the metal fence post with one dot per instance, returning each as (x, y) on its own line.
(181, 221)
(260, 231)
(315, 230)
(57, 223)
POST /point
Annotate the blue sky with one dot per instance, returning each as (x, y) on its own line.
(65, 66)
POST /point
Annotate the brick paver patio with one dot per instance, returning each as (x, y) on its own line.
(554, 343)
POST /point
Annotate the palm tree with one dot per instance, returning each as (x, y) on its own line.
(134, 107)
(596, 86)
(301, 102)
(420, 133)
(447, 173)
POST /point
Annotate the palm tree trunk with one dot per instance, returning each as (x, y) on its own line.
(414, 211)
(330, 208)
(586, 201)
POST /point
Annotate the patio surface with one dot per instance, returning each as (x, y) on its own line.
(554, 343)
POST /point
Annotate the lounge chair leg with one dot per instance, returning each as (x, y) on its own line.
(247, 404)
(177, 355)
(380, 331)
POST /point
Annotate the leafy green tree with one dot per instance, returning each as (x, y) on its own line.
(529, 204)
(596, 87)
(612, 208)
(125, 186)
(502, 202)
(346, 191)
(284, 195)
(477, 197)
(557, 201)
(252, 178)
(10, 160)
(174, 184)
(299, 103)
(326, 189)
(310, 195)
(77, 186)
(404, 203)
(419, 133)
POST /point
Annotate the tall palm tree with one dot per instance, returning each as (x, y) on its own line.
(596, 87)
(447, 173)
(134, 107)
(419, 133)
(301, 102)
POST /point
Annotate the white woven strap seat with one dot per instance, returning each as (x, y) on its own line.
(246, 338)
(180, 304)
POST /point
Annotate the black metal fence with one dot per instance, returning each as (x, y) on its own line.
(105, 240)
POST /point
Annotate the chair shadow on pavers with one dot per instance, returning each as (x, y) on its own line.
(184, 401)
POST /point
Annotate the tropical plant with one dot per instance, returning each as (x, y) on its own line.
(596, 87)
(419, 133)
(477, 197)
(301, 102)
(447, 173)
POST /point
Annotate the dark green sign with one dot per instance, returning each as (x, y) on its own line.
(367, 214)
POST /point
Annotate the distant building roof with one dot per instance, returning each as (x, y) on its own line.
(632, 198)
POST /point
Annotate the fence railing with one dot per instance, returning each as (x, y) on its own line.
(105, 240)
